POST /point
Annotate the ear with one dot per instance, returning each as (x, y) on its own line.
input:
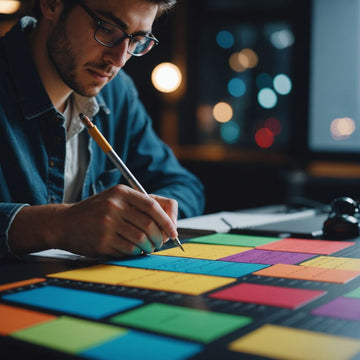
(51, 8)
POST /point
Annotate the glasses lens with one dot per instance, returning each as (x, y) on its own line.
(110, 36)
(140, 45)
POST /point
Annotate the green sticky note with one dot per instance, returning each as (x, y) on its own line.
(198, 325)
(354, 294)
(69, 335)
(234, 240)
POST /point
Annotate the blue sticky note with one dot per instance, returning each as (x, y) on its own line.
(71, 301)
(136, 345)
(189, 265)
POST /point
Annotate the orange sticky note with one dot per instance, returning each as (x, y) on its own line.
(20, 284)
(298, 272)
(14, 319)
(321, 247)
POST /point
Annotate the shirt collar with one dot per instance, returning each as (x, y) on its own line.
(33, 97)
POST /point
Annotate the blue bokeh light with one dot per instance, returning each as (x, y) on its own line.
(230, 132)
(236, 87)
(225, 39)
(282, 84)
(267, 98)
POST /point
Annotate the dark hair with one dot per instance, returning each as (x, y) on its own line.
(164, 5)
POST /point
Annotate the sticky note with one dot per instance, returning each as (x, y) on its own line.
(279, 342)
(193, 324)
(14, 318)
(22, 283)
(69, 335)
(257, 256)
(137, 345)
(149, 279)
(72, 301)
(202, 251)
(321, 247)
(233, 240)
(191, 266)
(343, 307)
(269, 295)
(299, 272)
(330, 262)
(354, 294)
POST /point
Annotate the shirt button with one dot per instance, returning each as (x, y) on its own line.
(57, 140)
(51, 163)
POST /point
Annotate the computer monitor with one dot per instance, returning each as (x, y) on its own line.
(334, 81)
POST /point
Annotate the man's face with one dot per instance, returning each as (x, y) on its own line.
(83, 64)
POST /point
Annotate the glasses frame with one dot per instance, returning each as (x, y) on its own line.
(99, 22)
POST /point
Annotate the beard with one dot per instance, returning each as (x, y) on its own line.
(62, 56)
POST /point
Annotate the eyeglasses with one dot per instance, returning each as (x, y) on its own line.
(110, 35)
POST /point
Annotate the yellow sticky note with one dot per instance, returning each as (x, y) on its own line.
(294, 344)
(337, 276)
(190, 284)
(330, 262)
(203, 251)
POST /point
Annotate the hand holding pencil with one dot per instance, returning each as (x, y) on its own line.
(108, 150)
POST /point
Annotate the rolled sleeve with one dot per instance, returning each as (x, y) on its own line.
(8, 212)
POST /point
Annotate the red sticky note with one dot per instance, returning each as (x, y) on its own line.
(289, 298)
(14, 319)
(321, 247)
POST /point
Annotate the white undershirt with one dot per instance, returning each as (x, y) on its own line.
(77, 155)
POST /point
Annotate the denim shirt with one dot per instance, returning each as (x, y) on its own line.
(33, 141)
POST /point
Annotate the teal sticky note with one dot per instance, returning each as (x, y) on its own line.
(191, 266)
(193, 324)
(136, 345)
(72, 301)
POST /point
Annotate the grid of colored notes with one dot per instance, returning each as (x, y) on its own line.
(251, 275)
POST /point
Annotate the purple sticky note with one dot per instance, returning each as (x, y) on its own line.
(268, 257)
(342, 307)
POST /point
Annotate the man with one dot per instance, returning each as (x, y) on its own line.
(57, 188)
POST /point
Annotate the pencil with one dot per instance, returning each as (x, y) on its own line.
(116, 160)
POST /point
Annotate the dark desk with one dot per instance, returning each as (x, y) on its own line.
(346, 330)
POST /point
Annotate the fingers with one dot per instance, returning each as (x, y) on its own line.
(118, 222)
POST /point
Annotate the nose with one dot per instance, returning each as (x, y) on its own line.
(118, 56)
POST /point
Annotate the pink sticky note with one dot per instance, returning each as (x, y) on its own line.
(289, 298)
(322, 247)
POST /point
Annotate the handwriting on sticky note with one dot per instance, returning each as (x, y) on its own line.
(191, 284)
(256, 256)
(203, 251)
(298, 272)
(330, 262)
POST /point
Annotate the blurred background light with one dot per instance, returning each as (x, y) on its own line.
(282, 84)
(223, 112)
(264, 138)
(166, 77)
(225, 39)
(282, 39)
(230, 132)
(236, 87)
(9, 6)
(264, 80)
(267, 98)
(248, 58)
(274, 125)
(342, 128)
